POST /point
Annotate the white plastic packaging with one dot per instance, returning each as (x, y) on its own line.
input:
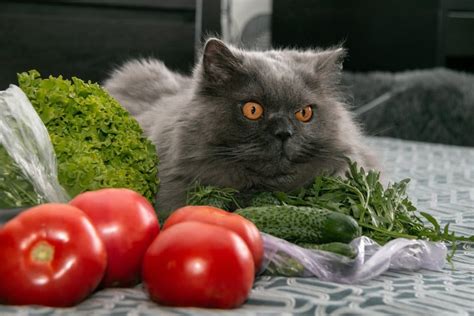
(26, 140)
(372, 259)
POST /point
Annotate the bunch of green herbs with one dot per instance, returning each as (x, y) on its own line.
(15, 189)
(223, 198)
(383, 213)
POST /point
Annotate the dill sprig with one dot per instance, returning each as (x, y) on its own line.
(224, 198)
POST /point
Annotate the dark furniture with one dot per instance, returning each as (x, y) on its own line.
(87, 38)
(388, 35)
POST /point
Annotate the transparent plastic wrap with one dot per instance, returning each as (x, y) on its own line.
(371, 259)
(28, 169)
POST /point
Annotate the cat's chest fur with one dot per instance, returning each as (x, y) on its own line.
(203, 132)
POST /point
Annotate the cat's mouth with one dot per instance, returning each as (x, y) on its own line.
(276, 159)
(272, 179)
(286, 156)
(280, 166)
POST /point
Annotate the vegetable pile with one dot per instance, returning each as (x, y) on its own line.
(97, 142)
(207, 253)
(382, 213)
(58, 254)
(205, 257)
(108, 235)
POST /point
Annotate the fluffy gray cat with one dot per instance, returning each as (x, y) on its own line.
(248, 120)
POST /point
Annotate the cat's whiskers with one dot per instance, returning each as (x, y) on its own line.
(238, 153)
(313, 150)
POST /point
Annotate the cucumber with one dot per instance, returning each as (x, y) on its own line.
(302, 224)
(263, 199)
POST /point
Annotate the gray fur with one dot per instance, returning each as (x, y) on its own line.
(200, 133)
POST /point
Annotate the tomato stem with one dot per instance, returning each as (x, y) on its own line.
(42, 252)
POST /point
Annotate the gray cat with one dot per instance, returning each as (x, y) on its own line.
(248, 120)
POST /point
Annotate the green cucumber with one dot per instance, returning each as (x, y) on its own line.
(301, 224)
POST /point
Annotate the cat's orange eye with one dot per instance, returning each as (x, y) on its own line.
(305, 114)
(252, 110)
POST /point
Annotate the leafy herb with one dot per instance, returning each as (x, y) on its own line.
(207, 195)
(15, 188)
(383, 213)
(97, 142)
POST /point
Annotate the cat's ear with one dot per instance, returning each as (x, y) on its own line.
(329, 61)
(327, 69)
(218, 62)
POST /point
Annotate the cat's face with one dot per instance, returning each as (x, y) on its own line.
(275, 113)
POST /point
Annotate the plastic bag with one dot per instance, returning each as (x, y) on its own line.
(287, 259)
(28, 169)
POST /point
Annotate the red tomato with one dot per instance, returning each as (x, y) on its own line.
(198, 264)
(127, 224)
(50, 255)
(211, 215)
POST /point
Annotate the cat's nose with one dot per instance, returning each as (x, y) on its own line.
(280, 127)
(283, 132)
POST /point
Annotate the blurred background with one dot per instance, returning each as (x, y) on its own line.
(409, 73)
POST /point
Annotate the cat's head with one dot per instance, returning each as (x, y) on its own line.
(277, 114)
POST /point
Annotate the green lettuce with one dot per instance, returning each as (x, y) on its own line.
(98, 144)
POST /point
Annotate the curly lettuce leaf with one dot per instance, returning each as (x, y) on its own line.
(98, 144)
